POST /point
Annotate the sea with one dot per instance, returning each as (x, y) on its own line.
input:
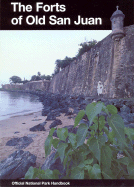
(16, 103)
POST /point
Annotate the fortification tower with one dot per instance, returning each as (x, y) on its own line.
(117, 20)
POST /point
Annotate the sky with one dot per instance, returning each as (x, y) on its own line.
(26, 52)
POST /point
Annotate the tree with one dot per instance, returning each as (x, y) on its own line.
(66, 61)
(48, 77)
(43, 76)
(86, 46)
(25, 81)
(60, 64)
(38, 78)
(35, 78)
(15, 79)
(39, 74)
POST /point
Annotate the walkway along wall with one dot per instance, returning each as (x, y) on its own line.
(109, 61)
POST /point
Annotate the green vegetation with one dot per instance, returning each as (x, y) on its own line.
(25, 81)
(35, 78)
(84, 47)
(15, 79)
(96, 157)
(40, 77)
(47, 77)
(61, 64)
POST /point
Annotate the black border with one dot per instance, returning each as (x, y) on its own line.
(97, 183)
(84, 8)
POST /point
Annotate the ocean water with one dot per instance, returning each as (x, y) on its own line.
(14, 103)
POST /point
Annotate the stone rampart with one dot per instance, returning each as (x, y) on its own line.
(12, 86)
(37, 85)
(109, 61)
(42, 85)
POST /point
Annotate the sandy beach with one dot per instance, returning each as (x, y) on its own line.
(22, 124)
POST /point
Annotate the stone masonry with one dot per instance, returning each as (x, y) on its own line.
(109, 61)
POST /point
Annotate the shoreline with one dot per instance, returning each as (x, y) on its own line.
(41, 93)
(22, 124)
(19, 114)
(52, 103)
(22, 111)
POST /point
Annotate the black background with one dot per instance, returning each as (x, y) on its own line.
(85, 8)
(75, 183)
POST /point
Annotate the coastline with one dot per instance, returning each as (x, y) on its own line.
(53, 103)
(23, 104)
(22, 124)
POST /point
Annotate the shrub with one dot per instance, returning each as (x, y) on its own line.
(86, 46)
(95, 157)
(15, 79)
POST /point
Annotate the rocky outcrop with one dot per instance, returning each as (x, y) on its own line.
(37, 85)
(54, 104)
(55, 123)
(125, 107)
(51, 163)
(39, 127)
(52, 115)
(16, 165)
(20, 143)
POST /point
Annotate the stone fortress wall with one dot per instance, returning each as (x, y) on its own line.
(41, 85)
(110, 62)
(108, 68)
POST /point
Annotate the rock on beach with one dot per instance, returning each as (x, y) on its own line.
(16, 165)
